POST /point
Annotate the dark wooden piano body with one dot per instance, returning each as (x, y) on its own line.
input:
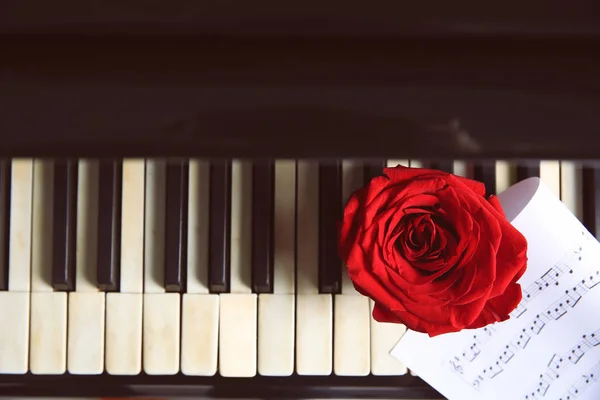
(314, 79)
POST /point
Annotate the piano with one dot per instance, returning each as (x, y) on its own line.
(172, 174)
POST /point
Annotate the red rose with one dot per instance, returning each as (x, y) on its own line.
(432, 251)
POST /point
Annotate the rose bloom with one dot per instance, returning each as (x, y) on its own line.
(431, 251)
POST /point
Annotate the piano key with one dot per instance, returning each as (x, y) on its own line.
(504, 175)
(48, 319)
(314, 311)
(86, 308)
(161, 311)
(14, 332)
(591, 199)
(123, 344)
(351, 335)
(65, 225)
(109, 216)
(330, 211)
(445, 166)
(200, 310)
(200, 334)
(276, 316)
(485, 172)
(48, 344)
(384, 337)
(237, 335)
(123, 333)
(85, 347)
(161, 333)
(154, 226)
(550, 175)
(177, 191)
(219, 227)
(238, 309)
(416, 163)
(527, 169)
(351, 351)
(460, 168)
(372, 169)
(5, 172)
(14, 320)
(21, 199)
(571, 190)
(263, 193)
(42, 232)
(132, 227)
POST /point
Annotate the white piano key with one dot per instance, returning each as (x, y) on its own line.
(199, 334)
(384, 337)
(48, 333)
(14, 332)
(198, 220)
(314, 311)
(123, 333)
(351, 336)
(132, 227)
(276, 317)
(85, 346)
(200, 310)
(238, 317)
(21, 198)
(550, 175)
(352, 347)
(276, 334)
(504, 176)
(314, 327)
(237, 335)
(460, 168)
(41, 227)
(86, 308)
(571, 193)
(416, 164)
(395, 163)
(154, 227)
(161, 333)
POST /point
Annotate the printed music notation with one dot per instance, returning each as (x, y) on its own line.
(550, 279)
(550, 346)
(559, 363)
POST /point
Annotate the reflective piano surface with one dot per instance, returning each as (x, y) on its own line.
(213, 272)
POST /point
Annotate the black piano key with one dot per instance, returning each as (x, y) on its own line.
(330, 213)
(591, 199)
(263, 207)
(445, 166)
(110, 186)
(219, 273)
(176, 217)
(5, 171)
(64, 225)
(486, 172)
(527, 170)
(372, 169)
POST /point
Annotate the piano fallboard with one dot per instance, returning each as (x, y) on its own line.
(454, 97)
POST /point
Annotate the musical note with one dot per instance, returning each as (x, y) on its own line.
(507, 354)
(582, 384)
(592, 280)
(557, 310)
(472, 352)
(493, 370)
(543, 385)
(517, 312)
(537, 325)
(523, 339)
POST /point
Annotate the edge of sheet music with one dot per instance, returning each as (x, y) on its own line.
(550, 346)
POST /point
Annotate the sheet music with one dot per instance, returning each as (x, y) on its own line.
(550, 347)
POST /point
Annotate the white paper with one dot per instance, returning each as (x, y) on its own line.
(549, 348)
